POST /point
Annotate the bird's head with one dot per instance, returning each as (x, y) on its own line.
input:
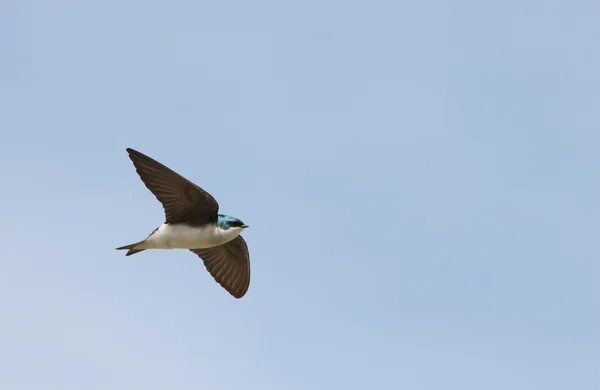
(227, 222)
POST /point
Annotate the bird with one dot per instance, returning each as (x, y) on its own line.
(192, 221)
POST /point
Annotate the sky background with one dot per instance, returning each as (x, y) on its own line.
(421, 181)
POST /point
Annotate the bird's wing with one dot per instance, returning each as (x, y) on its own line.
(182, 200)
(229, 265)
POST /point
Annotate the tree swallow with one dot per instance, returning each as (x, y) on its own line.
(192, 222)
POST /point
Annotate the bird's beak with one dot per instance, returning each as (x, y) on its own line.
(244, 226)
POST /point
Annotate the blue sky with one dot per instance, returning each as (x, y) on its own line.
(420, 178)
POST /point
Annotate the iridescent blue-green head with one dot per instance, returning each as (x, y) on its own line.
(226, 222)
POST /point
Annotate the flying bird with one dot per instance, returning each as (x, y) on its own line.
(192, 221)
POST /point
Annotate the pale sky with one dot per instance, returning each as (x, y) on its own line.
(421, 181)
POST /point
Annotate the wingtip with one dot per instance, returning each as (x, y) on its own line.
(237, 293)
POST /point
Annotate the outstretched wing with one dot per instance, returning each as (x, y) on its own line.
(182, 200)
(229, 265)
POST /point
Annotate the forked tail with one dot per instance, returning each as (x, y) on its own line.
(131, 250)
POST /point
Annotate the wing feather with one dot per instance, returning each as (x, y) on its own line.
(182, 200)
(229, 265)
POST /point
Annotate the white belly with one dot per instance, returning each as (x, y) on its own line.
(187, 237)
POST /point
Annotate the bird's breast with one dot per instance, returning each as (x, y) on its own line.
(180, 236)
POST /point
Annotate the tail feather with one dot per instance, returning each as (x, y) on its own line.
(131, 249)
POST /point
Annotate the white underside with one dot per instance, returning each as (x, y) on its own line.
(187, 237)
